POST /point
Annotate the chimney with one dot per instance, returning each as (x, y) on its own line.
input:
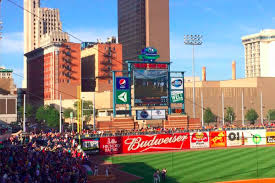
(203, 74)
(233, 70)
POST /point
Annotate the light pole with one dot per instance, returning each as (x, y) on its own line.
(193, 40)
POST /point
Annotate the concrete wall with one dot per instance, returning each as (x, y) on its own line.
(232, 90)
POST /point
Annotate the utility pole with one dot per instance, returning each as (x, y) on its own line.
(60, 115)
(24, 114)
(202, 123)
(222, 109)
(262, 119)
(242, 110)
(94, 112)
(81, 115)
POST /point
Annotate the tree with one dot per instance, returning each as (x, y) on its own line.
(30, 111)
(48, 114)
(67, 112)
(52, 117)
(251, 115)
(87, 109)
(41, 113)
(208, 116)
(271, 114)
(230, 115)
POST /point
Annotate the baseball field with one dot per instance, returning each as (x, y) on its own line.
(215, 165)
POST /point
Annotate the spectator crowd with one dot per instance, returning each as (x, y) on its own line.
(43, 157)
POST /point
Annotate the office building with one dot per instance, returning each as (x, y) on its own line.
(143, 23)
(42, 26)
(259, 54)
(53, 70)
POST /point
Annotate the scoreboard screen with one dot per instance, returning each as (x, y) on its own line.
(151, 87)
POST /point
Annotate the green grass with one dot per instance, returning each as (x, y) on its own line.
(202, 166)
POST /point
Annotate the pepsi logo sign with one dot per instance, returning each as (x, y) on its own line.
(122, 83)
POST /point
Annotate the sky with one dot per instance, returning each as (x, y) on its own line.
(221, 22)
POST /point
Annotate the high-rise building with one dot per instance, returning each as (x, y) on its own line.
(53, 70)
(41, 26)
(259, 50)
(143, 23)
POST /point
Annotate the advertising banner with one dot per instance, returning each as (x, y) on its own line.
(150, 114)
(110, 145)
(235, 138)
(270, 138)
(255, 137)
(158, 114)
(177, 97)
(90, 146)
(152, 143)
(199, 140)
(122, 83)
(218, 139)
(123, 97)
(144, 114)
(177, 83)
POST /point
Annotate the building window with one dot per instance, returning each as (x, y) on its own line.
(109, 81)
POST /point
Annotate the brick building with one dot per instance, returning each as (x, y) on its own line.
(53, 70)
(97, 63)
(8, 112)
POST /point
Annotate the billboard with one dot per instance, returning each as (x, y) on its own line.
(90, 145)
(235, 138)
(110, 145)
(150, 114)
(122, 83)
(150, 87)
(199, 140)
(255, 137)
(123, 97)
(177, 97)
(157, 142)
(177, 83)
(218, 139)
(270, 138)
(144, 114)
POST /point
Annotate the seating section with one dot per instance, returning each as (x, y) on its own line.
(180, 121)
(116, 124)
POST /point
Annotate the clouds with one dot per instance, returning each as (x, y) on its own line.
(11, 43)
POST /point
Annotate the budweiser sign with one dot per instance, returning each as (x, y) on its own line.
(161, 142)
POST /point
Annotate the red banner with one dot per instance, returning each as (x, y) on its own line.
(110, 145)
(151, 143)
(218, 139)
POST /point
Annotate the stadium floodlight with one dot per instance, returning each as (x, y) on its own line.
(193, 40)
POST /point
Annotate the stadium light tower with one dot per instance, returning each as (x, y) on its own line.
(193, 40)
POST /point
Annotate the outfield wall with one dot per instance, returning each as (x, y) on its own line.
(181, 141)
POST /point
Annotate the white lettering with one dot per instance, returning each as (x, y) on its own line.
(137, 142)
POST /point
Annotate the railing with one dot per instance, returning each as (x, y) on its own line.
(110, 134)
